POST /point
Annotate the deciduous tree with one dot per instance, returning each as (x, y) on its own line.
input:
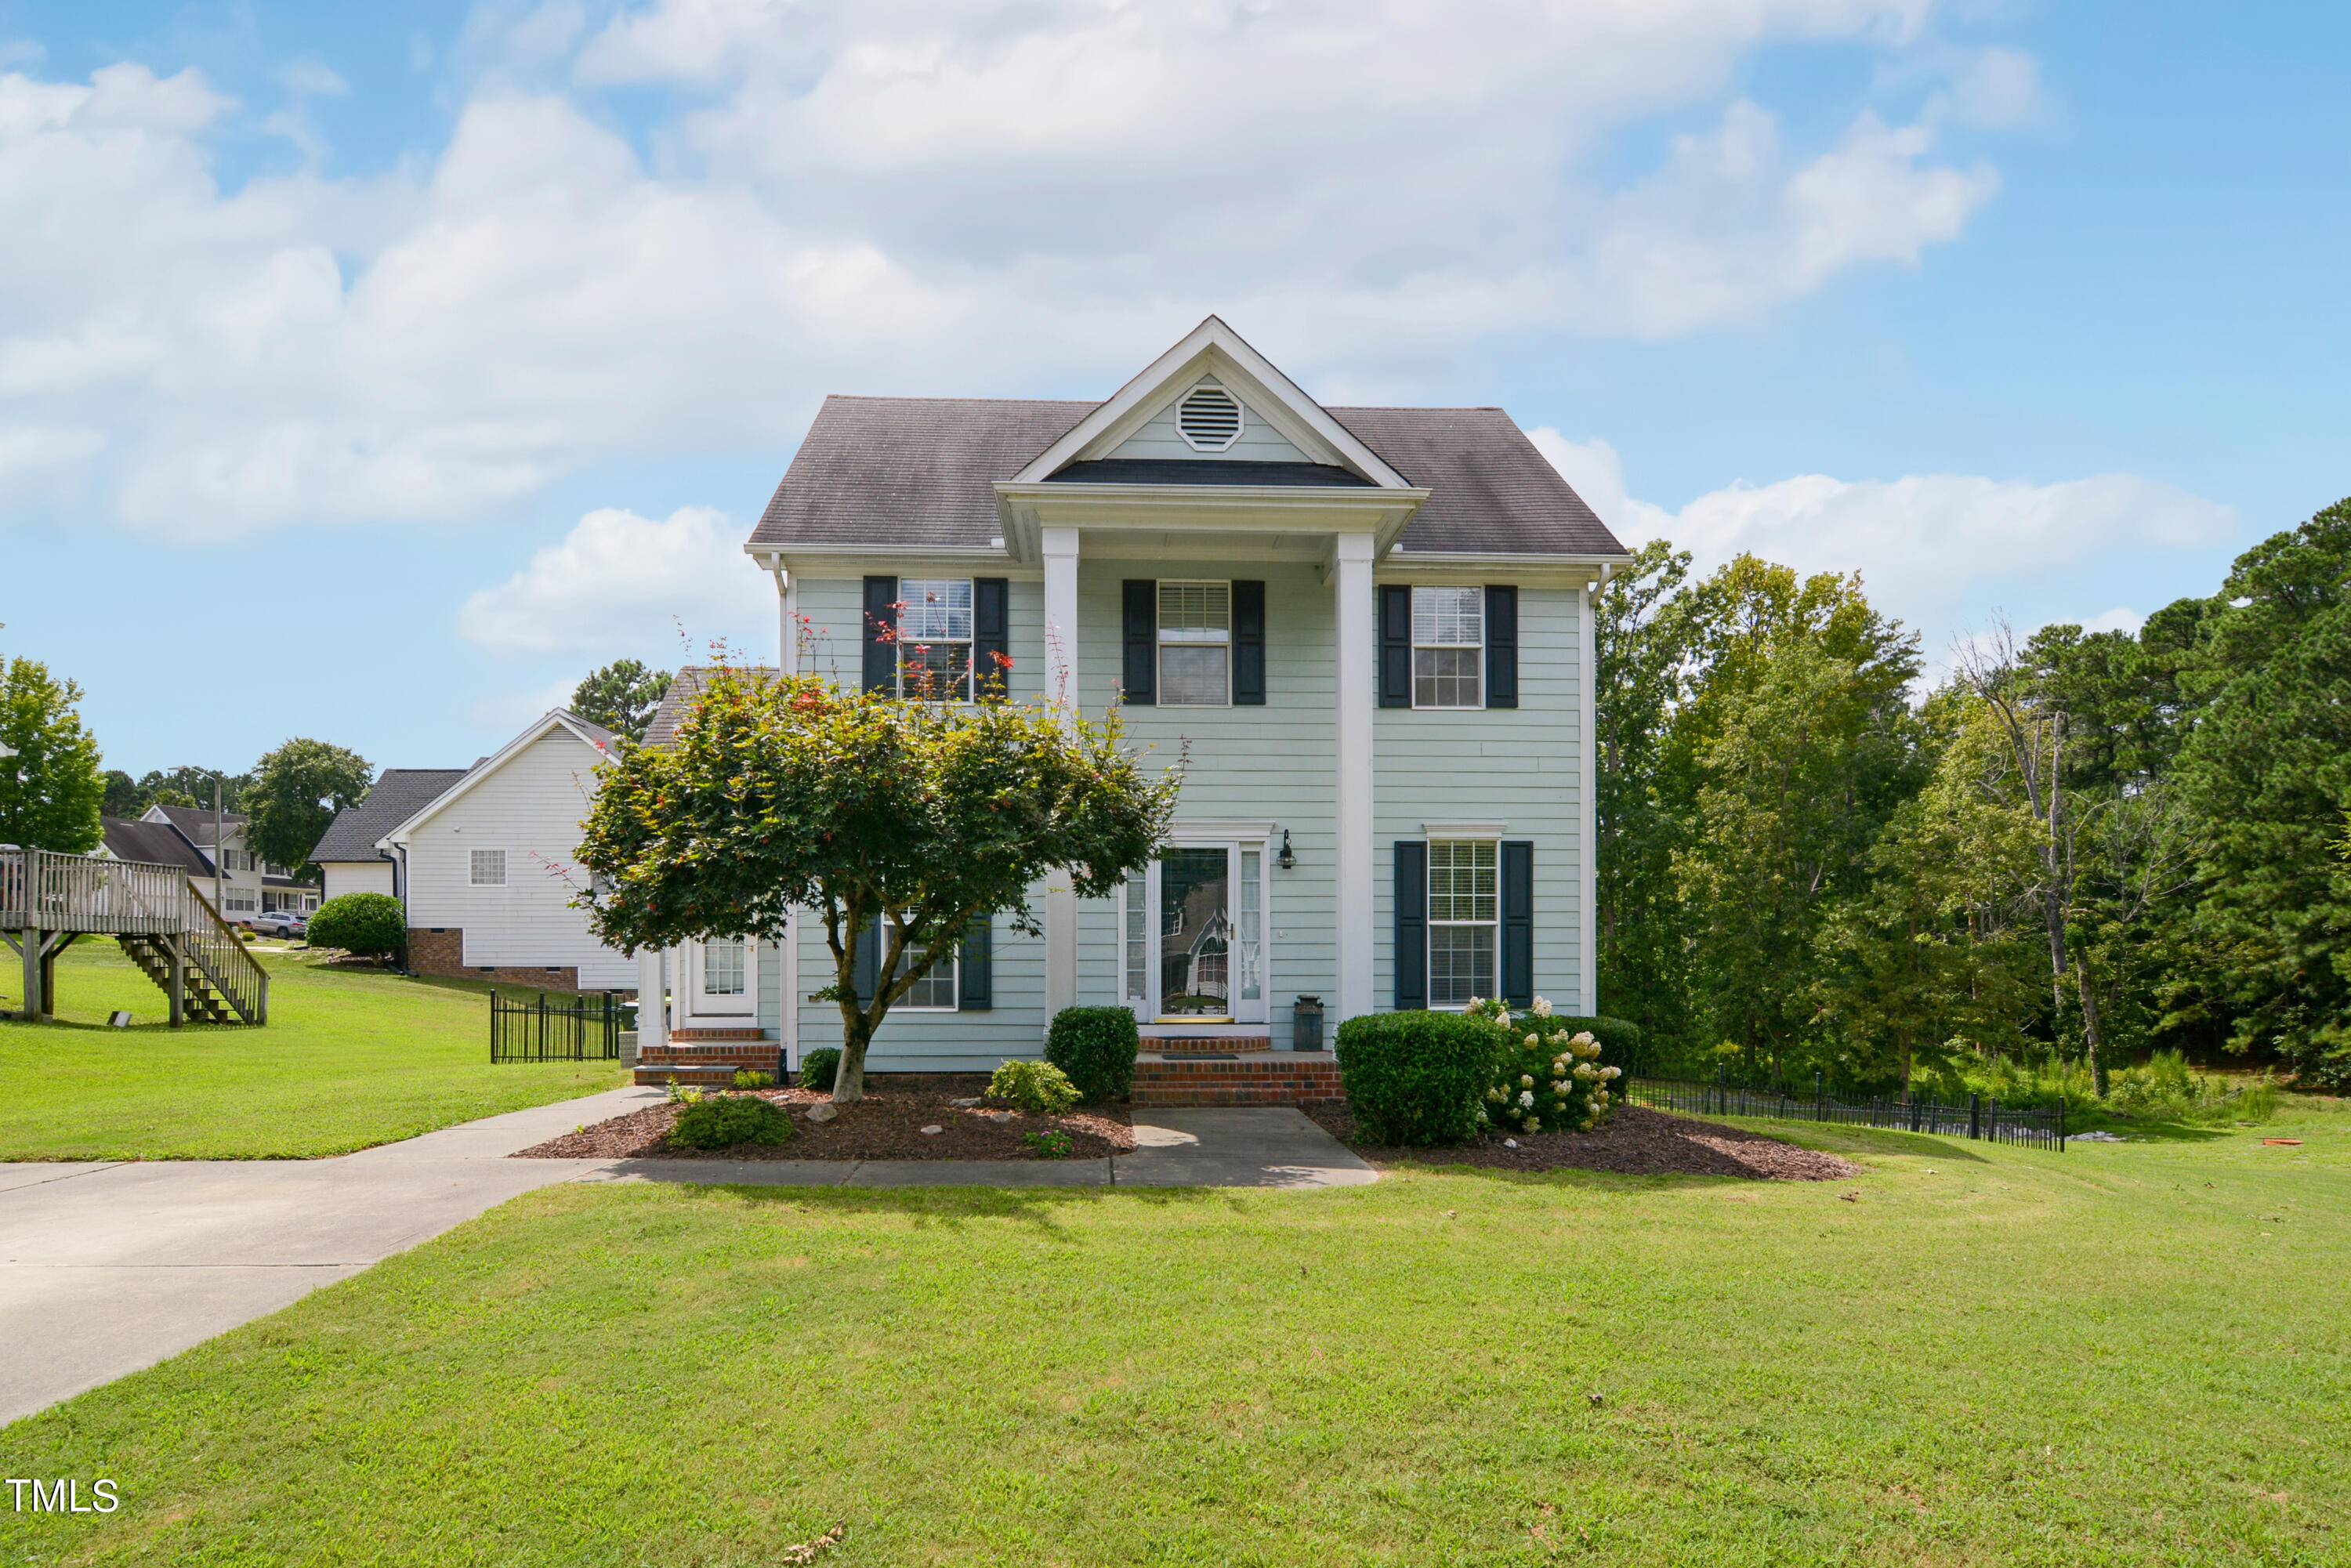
(50, 791)
(296, 792)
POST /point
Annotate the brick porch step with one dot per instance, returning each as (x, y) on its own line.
(692, 1075)
(1271, 1078)
(706, 1036)
(1219, 1044)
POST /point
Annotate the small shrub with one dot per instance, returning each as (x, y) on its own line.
(2167, 1090)
(1096, 1047)
(1037, 1086)
(677, 1096)
(1053, 1145)
(364, 924)
(1416, 1077)
(723, 1120)
(751, 1078)
(820, 1067)
(1547, 1074)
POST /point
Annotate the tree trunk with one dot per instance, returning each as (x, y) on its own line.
(849, 1078)
(2088, 994)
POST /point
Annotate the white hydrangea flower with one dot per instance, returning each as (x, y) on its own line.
(1542, 1007)
(1526, 1097)
(1526, 1080)
(1587, 1071)
(1612, 1072)
(1533, 1040)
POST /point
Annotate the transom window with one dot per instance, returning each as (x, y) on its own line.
(1463, 900)
(490, 868)
(1196, 643)
(934, 638)
(1449, 647)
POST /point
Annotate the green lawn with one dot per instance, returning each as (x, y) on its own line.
(2129, 1353)
(347, 1060)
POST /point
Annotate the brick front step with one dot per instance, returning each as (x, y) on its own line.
(1273, 1078)
(705, 1036)
(1208, 1042)
(690, 1075)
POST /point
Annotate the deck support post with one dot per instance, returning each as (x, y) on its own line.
(33, 973)
(178, 989)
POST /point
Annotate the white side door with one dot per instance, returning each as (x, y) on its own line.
(720, 981)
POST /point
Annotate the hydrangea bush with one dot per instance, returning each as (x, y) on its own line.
(1546, 1079)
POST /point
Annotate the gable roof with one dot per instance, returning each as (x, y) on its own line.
(397, 796)
(197, 824)
(685, 688)
(152, 843)
(922, 472)
(594, 735)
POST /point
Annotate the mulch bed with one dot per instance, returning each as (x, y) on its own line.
(887, 1125)
(1635, 1142)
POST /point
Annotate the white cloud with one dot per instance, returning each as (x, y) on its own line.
(313, 79)
(900, 196)
(43, 462)
(1928, 546)
(622, 585)
(2120, 619)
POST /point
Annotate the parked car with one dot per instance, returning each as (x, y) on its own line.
(280, 923)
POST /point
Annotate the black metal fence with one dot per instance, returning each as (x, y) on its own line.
(1980, 1118)
(557, 1029)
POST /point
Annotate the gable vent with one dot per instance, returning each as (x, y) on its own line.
(1210, 419)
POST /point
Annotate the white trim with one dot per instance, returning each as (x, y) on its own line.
(1353, 756)
(1178, 831)
(1213, 349)
(564, 719)
(1587, 826)
(1465, 829)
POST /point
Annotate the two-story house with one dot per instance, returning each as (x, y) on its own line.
(1371, 626)
(249, 885)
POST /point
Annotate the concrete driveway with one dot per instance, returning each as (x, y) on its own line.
(107, 1267)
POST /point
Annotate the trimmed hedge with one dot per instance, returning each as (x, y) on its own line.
(820, 1067)
(1620, 1039)
(1416, 1077)
(1096, 1047)
(367, 925)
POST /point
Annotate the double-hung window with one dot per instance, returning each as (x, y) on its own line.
(937, 989)
(490, 868)
(1449, 647)
(934, 638)
(723, 967)
(1464, 896)
(1195, 644)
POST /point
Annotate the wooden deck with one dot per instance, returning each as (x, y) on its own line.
(48, 902)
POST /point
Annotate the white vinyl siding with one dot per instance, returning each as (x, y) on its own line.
(527, 811)
(1159, 439)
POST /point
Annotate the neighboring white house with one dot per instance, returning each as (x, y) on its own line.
(249, 886)
(347, 852)
(1369, 629)
(485, 866)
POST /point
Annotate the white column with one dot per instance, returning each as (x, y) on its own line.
(651, 1031)
(1587, 827)
(788, 1014)
(786, 643)
(1060, 667)
(1354, 656)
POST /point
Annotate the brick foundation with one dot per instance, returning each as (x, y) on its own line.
(443, 952)
(1270, 1078)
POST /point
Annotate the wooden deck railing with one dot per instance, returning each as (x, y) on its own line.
(44, 891)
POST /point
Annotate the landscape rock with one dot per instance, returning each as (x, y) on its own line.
(933, 1130)
(1000, 1117)
(824, 1111)
(968, 1099)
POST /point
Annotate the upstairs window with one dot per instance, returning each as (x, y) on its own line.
(1195, 644)
(490, 868)
(934, 638)
(1449, 647)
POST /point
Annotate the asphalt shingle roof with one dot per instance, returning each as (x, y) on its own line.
(196, 822)
(153, 843)
(398, 795)
(683, 688)
(921, 471)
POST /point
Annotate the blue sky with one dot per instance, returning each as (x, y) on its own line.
(422, 358)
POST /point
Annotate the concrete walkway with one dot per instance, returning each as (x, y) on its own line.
(107, 1267)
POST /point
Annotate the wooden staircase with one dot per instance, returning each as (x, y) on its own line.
(166, 928)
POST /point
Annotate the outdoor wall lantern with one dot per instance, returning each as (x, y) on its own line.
(1286, 860)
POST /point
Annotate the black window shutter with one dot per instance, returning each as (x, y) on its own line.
(1411, 925)
(867, 967)
(1518, 869)
(1138, 680)
(991, 635)
(881, 634)
(976, 989)
(1249, 645)
(1502, 648)
(1396, 648)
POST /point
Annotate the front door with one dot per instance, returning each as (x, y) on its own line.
(718, 982)
(1193, 927)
